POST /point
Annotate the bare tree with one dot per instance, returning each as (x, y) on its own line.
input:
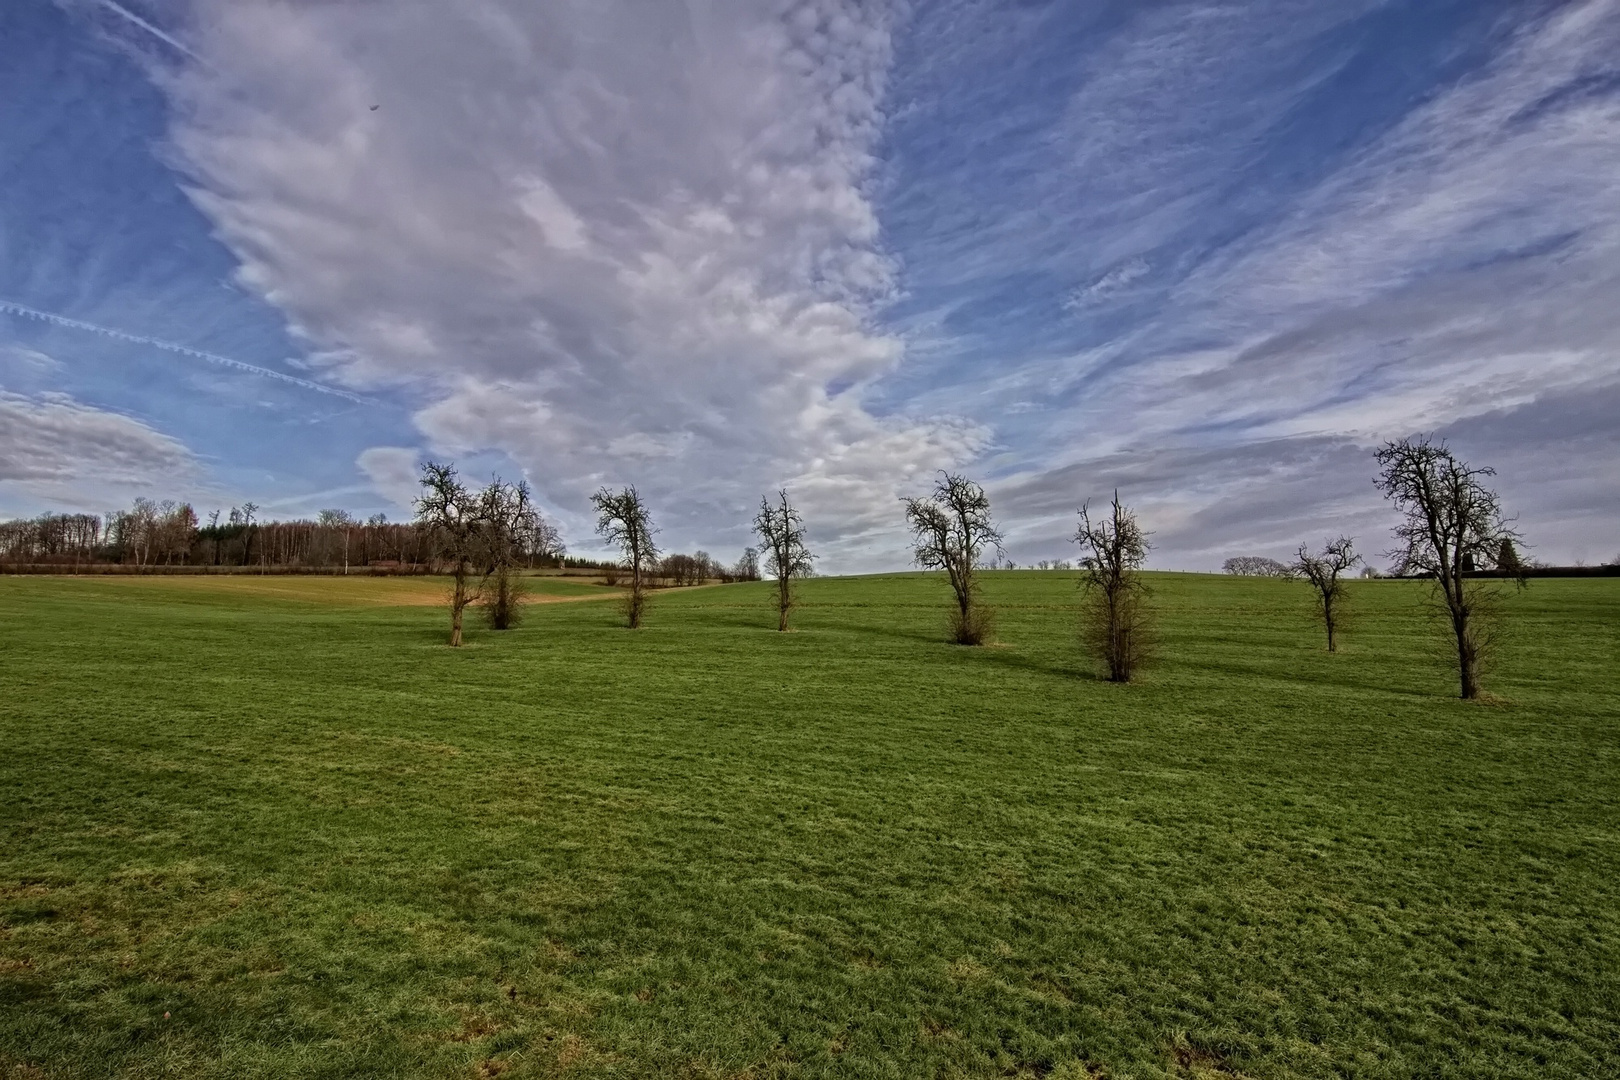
(951, 531)
(512, 530)
(623, 521)
(454, 520)
(1453, 524)
(1323, 571)
(786, 557)
(1114, 621)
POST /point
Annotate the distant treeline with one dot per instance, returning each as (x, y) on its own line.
(169, 534)
(157, 537)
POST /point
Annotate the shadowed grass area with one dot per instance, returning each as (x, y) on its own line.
(327, 845)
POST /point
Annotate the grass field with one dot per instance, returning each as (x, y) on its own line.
(248, 832)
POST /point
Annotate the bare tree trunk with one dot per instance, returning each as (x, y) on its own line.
(1119, 635)
(1331, 619)
(1467, 654)
(458, 601)
(635, 593)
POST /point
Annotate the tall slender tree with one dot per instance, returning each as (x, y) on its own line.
(1451, 524)
(623, 520)
(787, 559)
(952, 531)
(1114, 617)
(1323, 573)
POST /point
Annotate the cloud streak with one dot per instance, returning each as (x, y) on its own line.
(23, 311)
(1452, 265)
(135, 20)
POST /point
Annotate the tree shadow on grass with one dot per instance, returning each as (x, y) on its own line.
(1353, 680)
(1004, 655)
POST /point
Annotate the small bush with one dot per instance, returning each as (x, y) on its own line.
(975, 627)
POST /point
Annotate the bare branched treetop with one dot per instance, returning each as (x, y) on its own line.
(1114, 546)
(1453, 522)
(782, 530)
(952, 528)
(622, 519)
(1337, 557)
(447, 507)
(515, 530)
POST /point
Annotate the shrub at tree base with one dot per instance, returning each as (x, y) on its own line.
(503, 598)
(975, 626)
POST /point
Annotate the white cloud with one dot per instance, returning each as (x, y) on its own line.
(617, 245)
(60, 450)
(393, 472)
(28, 362)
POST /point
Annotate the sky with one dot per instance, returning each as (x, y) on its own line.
(1210, 254)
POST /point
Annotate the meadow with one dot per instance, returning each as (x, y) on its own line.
(275, 827)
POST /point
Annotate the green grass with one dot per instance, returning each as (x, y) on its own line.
(326, 845)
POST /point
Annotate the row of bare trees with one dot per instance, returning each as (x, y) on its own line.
(952, 530)
(1451, 526)
(625, 522)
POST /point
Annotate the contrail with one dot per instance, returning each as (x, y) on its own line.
(169, 39)
(27, 312)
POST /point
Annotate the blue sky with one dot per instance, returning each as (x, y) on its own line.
(1208, 253)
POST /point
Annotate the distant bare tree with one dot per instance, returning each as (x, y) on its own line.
(747, 568)
(1323, 572)
(951, 531)
(1453, 524)
(453, 518)
(1256, 566)
(1114, 621)
(681, 569)
(623, 521)
(245, 526)
(787, 559)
